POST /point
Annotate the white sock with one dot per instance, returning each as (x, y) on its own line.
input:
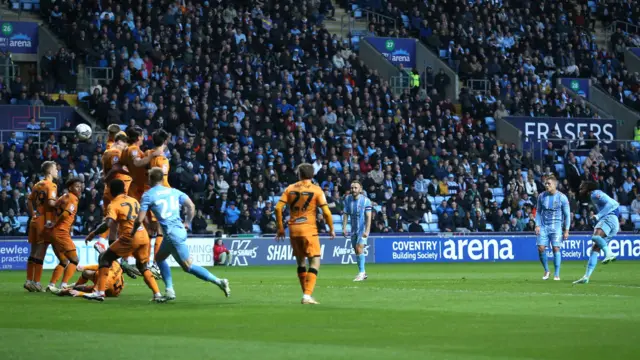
(157, 294)
(306, 297)
(52, 284)
(63, 284)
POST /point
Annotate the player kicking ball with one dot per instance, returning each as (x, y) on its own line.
(553, 219)
(165, 204)
(606, 228)
(358, 208)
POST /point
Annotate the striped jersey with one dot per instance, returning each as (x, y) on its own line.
(552, 212)
(356, 210)
(604, 204)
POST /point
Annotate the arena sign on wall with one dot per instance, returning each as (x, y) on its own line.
(19, 37)
(396, 50)
(381, 249)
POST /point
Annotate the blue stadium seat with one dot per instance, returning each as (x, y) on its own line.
(491, 123)
(434, 218)
(635, 218)
(624, 212)
(337, 218)
(525, 174)
(490, 227)
(439, 199)
(637, 225)
(497, 191)
(560, 170)
(23, 220)
(434, 227)
(425, 227)
(256, 229)
(499, 199)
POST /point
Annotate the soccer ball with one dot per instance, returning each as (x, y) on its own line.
(83, 132)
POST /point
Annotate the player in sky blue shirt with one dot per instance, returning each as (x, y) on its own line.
(357, 206)
(165, 203)
(553, 219)
(607, 227)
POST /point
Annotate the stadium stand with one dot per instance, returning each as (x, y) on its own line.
(249, 90)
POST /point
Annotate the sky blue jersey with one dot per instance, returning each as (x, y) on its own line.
(604, 204)
(552, 212)
(165, 203)
(356, 210)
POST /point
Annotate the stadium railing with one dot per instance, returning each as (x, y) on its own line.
(41, 136)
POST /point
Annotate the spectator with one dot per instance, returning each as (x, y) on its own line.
(231, 216)
(221, 255)
(199, 224)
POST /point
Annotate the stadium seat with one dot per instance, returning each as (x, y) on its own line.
(560, 170)
(637, 225)
(256, 229)
(490, 227)
(15, 5)
(434, 227)
(497, 191)
(23, 220)
(425, 227)
(439, 199)
(434, 218)
(491, 123)
(635, 218)
(624, 212)
(525, 174)
(499, 199)
(337, 218)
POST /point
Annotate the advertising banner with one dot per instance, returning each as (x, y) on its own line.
(567, 128)
(579, 86)
(247, 252)
(19, 37)
(16, 117)
(14, 255)
(636, 51)
(396, 50)
(488, 248)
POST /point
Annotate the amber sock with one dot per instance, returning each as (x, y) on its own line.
(302, 274)
(150, 281)
(310, 281)
(57, 273)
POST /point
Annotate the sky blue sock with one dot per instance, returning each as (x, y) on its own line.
(361, 260)
(165, 270)
(543, 260)
(591, 265)
(203, 274)
(557, 260)
(602, 244)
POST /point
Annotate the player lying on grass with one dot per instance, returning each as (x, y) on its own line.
(115, 280)
(165, 203)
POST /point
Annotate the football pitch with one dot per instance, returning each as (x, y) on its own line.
(424, 311)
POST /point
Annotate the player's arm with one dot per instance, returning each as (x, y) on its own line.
(107, 224)
(566, 213)
(30, 208)
(279, 211)
(321, 202)
(538, 214)
(607, 204)
(145, 202)
(189, 208)
(345, 217)
(62, 211)
(52, 193)
(368, 210)
(144, 161)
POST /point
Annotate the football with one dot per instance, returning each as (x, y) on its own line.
(83, 132)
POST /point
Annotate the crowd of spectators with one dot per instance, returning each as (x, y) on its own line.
(248, 93)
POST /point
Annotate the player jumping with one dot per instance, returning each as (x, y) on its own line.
(606, 228)
(303, 200)
(358, 207)
(41, 206)
(553, 219)
(165, 203)
(120, 219)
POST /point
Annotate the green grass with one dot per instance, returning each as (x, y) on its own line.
(443, 311)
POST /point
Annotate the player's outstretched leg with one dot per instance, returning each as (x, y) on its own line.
(542, 255)
(557, 261)
(591, 265)
(180, 252)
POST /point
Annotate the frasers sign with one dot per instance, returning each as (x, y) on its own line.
(567, 128)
